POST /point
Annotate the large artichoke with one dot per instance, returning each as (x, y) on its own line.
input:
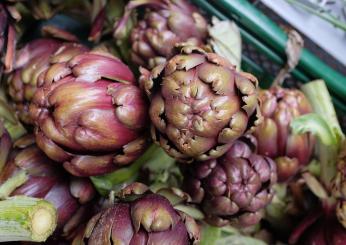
(199, 104)
(30, 172)
(140, 217)
(164, 24)
(279, 107)
(89, 112)
(31, 60)
(233, 188)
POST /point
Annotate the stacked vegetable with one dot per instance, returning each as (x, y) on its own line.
(152, 134)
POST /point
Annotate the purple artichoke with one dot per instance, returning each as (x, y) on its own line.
(233, 188)
(164, 24)
(199, 104)
(31, 60)
(89, 113)
(36, 176)
(279, 107)
(146, 218)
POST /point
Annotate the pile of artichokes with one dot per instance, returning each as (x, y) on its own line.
(123, 117)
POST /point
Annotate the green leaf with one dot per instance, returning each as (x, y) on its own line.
(239, 240)
(315, 124)
(210, 234)
(226, 40)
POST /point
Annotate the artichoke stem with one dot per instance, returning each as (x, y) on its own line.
(26, 219)
(12, 183)
(319, 97)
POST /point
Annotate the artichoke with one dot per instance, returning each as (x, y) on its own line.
(31, 60)
(199, 104)
(234, 188)
(140, 217)
(31, 173)
(279, 107)
(164, 24)
(89, 113)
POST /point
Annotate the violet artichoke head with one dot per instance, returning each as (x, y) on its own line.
(145, 218)
(164, 24)
(89, 113)
(31, 60)
(199, 104)
(279, 107)
(234, 188)
(31, 173)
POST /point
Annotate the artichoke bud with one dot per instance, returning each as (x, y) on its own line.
(146, 218)
(199, 104)
(232, 189)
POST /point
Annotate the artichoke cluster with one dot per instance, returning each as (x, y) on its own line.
(90, 114)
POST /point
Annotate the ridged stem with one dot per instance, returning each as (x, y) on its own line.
(26, 219)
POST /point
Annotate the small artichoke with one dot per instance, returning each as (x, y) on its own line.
(199, 104)
(164, 24)
(140, 217)
(279, 107)
(31, 60)
(31, 173)
(233, 188)
(89, 113)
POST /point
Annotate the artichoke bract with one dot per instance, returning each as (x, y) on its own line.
(30, 172)
(199, 104)
(164, 24)
(141, 217)
(234, 188)
(89, 112)
(31, 60)
(7, 35)
(279, 106)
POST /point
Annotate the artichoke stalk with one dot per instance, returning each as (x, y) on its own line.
(235, 188)
(279, 106)
(140, 217)
(199, 104)
(164, 24)
(26, 219)
(30, 172)
(89, 113)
